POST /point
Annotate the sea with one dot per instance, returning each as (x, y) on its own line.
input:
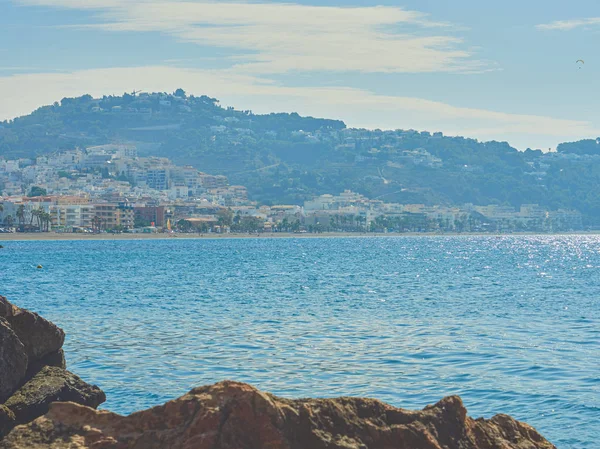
(509, 323)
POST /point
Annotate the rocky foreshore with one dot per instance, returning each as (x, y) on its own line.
(33, 369)
(52, 408)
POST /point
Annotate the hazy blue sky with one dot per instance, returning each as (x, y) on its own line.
(491, 70)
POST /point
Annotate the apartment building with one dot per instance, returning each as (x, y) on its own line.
(114, 215)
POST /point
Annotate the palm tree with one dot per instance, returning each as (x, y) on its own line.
(46, 218)
(361, 221)
(380, 222)
(32, 215)
(39, 213)
(35, 215)
(41, 219)
(96, 222)
(21, 215)
(9, 221)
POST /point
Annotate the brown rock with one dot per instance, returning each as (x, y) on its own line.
(7, 420)
(49, 385)
(40, 336)
(13, 360)
(231, 415)
(6, 308)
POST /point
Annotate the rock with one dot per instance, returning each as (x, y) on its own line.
(6, 308)
(7, 420)
(13, 360)
(32, 368)
(56, 359)
(231, 415)
(40, 336)
(51, 384)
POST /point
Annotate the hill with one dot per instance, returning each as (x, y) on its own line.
(288, 158)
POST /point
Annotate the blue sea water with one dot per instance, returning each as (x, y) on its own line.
(511, 324)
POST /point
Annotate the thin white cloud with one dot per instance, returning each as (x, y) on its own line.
(360, 108)
(567, 25)
(282, 37)
(23, 69)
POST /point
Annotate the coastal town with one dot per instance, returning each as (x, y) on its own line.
(110, 188)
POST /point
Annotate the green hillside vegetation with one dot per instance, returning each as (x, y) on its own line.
(286, 158)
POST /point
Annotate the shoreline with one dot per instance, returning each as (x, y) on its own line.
(53, 236)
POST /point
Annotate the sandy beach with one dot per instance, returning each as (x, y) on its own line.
(164, 236)
(49, 236)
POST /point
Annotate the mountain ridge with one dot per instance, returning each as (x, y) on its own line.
(287, 158)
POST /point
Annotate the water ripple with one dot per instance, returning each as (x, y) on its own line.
(512, 324)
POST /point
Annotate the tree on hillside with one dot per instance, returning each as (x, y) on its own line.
(37, 191)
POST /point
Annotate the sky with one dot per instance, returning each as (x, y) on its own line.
(502, 71)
